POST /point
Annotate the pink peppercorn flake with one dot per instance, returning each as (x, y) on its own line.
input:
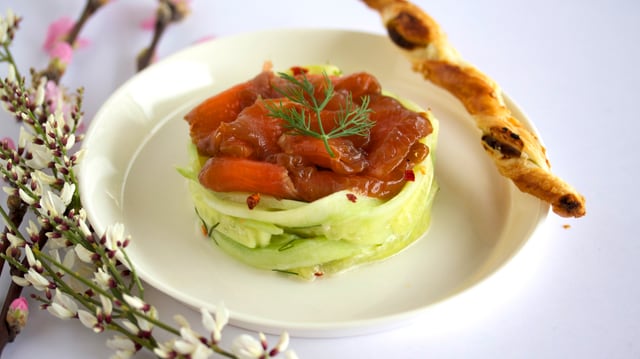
(409, 175)
(253, 200)
(297, 70)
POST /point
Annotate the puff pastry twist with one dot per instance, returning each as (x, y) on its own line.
(517, 153)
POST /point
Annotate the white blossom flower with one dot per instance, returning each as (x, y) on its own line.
(43, 180)
(56, 240)
(84, 228)
(55, 254)
(52, 205)
(142, 325)
(282, 344)
(83, 254)
(190, 344)
(63, 306)
(107, 307)
(36, 279)
(123, 346)
(32, 229)
(40, 92)
(11, 18)
(122, 354)
(201, 352)
(145, 325)
(182, 321)
(79, 155)
(4, 33)
(71, 140)
(247, 347)
(17, 172)
(31, 259)
(20, 281)
(11, 73)
(14, 241)
(81, 220)
(51, 125)
(6, 23)
(66, 195)
(290, 354)
(130, 327)
(9, 190)
(90, 321)
(136, 303)
(114, 236)
(215, 326)
(69, 260)
(164, 350)
(41, 156)
(26, 197)
(102, 278)
(24, 138)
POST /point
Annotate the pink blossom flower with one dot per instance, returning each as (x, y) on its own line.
(148, 23)
(8, 142)
(17, 314)
(55, 97)
(62, 51)
(54, 43)
(19, 303)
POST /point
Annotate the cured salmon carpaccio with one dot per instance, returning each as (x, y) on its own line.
(249, 150)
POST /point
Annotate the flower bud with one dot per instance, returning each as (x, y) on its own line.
(17, 314)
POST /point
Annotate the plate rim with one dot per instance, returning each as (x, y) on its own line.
(313, 329)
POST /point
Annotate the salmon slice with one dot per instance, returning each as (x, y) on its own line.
(397, 129)
(227, 174)
(205, 118)
(316, 184)
(251, 151)
(347, 158)
(253, 128)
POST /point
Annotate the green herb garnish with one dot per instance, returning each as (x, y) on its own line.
(352, 119)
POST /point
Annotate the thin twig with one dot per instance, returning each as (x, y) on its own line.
(8, 334)
(168, 12)
(18, 209)
(54, 71)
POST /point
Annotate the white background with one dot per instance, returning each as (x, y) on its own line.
(571, 65)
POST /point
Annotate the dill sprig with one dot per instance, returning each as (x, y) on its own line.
(351, 119)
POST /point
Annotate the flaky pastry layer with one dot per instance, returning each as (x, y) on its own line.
(517, 152)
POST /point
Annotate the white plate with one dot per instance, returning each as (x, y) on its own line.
(138, 138)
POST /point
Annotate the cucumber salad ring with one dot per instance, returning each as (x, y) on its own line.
(311, 172)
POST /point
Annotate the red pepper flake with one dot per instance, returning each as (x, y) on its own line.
(409, 175)
(253, 200)
(297, 70)
(352, 197)
(566, 226)
(204, 230)
(318, 273)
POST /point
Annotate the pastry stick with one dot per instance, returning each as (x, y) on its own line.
(516, 151)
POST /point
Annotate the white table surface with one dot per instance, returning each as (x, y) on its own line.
(573, 66)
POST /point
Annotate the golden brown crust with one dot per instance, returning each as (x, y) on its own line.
(516, 151)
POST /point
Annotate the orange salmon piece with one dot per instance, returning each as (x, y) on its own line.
(228, 174)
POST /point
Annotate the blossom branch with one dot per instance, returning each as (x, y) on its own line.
(83, 275)
(8, 332)
(57, 66)
(168, 12)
